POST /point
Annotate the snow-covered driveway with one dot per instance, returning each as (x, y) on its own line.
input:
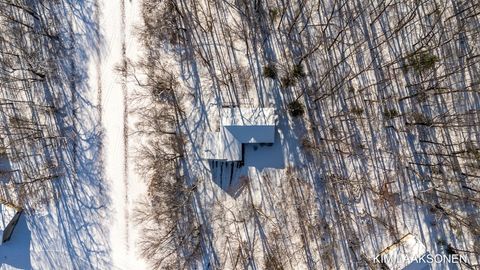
(117, 20)
(84, 220)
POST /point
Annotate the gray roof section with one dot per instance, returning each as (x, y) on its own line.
(253, 134)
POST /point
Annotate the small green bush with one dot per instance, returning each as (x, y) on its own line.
(274, 13)
(288, 81)
(422, 96)
(421, 119)
(296, 109)
(298, 71)
(422, 61)
(357, 111)
(270, 71)
(273, 262)
(306, 143)
(3, 151)
(390, 113)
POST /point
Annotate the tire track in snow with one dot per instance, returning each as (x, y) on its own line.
(98, 70)
(125, 122)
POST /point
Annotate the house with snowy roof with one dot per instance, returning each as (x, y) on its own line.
(239, 126)
(9, 216)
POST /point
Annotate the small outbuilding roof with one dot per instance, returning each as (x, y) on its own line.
(404, 254)
(7, 213)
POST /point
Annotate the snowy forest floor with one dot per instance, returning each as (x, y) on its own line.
(388, 144)
(81, 190)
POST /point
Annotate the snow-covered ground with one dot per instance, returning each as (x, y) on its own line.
(87, 225)
(342, 199)
(341, 183)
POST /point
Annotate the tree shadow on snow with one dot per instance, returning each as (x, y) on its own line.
(16, 252)
(67, 227)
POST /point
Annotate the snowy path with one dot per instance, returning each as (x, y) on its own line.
(116, 20)
(112, 104)
(86, 223)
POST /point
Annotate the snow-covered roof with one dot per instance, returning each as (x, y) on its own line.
(248, 117)
(238, 126)
(221, 146)
(405, 254)
(231, 147)
(6, 215)
(252, 134)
